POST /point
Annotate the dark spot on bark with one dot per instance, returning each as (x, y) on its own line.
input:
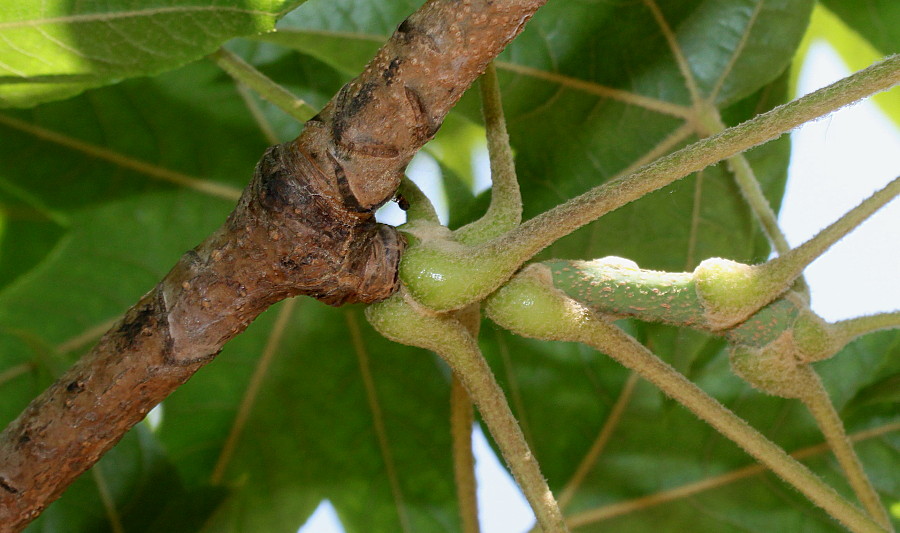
(415, 102)
(360, 99)
(275, 185)
(406, 31)
(75, 386)
(405, 26)
(135, 322)
(193, 258)
(168, 350)
(344, 188)
(7, 487)
(289, 264)
(23, 440)
(391, 70)
(381, 151)
(424, 127)
(340, 117)
(275, 193)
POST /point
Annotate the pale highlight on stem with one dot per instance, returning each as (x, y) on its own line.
(819, 404)
(270, 91)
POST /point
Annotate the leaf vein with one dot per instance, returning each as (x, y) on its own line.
(205, 186)
(652, 104)
(105, 17)
(745, 36)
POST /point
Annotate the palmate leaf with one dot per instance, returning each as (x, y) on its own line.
(286, 416)
(55, 49)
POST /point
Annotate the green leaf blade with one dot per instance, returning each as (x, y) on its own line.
(53, 50)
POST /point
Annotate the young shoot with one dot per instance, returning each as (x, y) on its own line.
(446, 278)
(530, 306)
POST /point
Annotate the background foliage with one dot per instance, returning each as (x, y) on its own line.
(102, 190)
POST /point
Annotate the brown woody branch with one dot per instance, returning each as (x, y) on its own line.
(304, 225)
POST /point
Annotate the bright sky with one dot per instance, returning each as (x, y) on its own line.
(836, 163)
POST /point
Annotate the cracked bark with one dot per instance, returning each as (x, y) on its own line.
(304, 225)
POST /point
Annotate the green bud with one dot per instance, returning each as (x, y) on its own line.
(404, 322)
(529, 306)
(728, 291)
(814, 337)
(773, 369)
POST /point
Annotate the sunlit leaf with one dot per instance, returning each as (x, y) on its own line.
(55, 49)
(858, 38)
(877, 20)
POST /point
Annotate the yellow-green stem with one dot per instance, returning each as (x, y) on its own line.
(420, 207)
(472, 370)
(786, 268)
(505, 209)
(820, 407)
(611, 340)
(270, 91)
(462, 417)
(483, 269)
(537, 233)
(530, 306)
(847, 330)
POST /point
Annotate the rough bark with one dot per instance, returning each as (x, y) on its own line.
(304, 225)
